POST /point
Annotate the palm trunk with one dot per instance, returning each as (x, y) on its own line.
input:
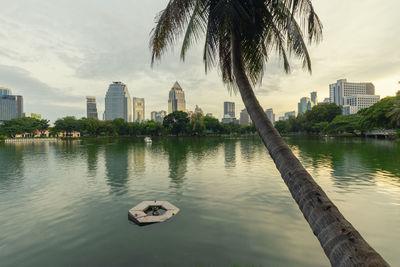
(342, 243)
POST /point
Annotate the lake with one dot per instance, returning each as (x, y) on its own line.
(66, 203)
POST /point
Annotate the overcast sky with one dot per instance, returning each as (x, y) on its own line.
(55, 52)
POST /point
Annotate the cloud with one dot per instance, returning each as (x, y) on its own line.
(55, 53)
(38, 96)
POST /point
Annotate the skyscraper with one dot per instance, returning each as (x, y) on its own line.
(290, 114)
(118, 102)
(304, 105)
(229, 108)
(342, 88)
(138, 109)
(270, 115)
(158, 116)
(91, 108)
(11, 107)
(176, 101)
(314, 98)
(5, 91)
(244, 118)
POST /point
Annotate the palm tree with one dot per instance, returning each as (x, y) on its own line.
(240, 36)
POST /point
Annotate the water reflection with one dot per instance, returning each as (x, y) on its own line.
(230, 153)
(138, 153)
(11, 164)
(351, 160)
(177, 151)
(92, 151)
(116, 159)
(248, 148)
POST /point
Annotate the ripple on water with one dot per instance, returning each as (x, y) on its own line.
(66, 203)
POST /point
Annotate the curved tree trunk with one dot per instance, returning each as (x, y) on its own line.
(342, 243)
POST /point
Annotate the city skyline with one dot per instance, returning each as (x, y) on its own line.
(60, 65)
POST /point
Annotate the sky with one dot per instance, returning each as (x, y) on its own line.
(56, 52)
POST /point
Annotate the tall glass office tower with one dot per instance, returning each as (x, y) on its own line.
(5, 91)
(91, 107)
(176, 100)
(118, 102)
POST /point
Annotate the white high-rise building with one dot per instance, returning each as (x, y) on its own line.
(176, 101)
(270, 115)
(118, 102)
(138, 109)
(359, 102)
(342, 88)
(244, 118)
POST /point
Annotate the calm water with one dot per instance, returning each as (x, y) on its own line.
(66, 203)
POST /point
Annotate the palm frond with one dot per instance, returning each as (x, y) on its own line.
(170, 25)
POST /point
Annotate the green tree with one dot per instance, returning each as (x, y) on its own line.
(239, 37)
(282, 126)
(120, 127)
(153, 128)
(320, 115)
(394, 113)
(345, 124)
(376, 116)
(176, 122)
(92, 126)
(197, 125)
(67, 124)
(212, 124)
(24, 126)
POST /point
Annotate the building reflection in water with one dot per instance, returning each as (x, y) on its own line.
(177, 150)
(350, 160)
(248, 149)
(11, 165)
(230, 153)
(92, 151)
(116, 161)
(138, 154)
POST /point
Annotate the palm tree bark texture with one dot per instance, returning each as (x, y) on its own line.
(240, 35)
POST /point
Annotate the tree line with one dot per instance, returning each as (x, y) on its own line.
(178, 123)
(328, 119)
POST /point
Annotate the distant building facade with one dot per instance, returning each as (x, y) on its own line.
(358, 102)
(118, 102)
(176, 100)
(314, 98)
(11, 107)
(32, 115)
(304, 105)
(5, 91)
(91, 107)
(138, 109)
(229, 108)
(244, 118)
(158, 116)
(339, 90)
(290, 114)
(347, 110)
(270, 115)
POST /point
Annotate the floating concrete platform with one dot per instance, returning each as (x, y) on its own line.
(147, 212)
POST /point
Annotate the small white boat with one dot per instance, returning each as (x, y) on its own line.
(147, 139)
